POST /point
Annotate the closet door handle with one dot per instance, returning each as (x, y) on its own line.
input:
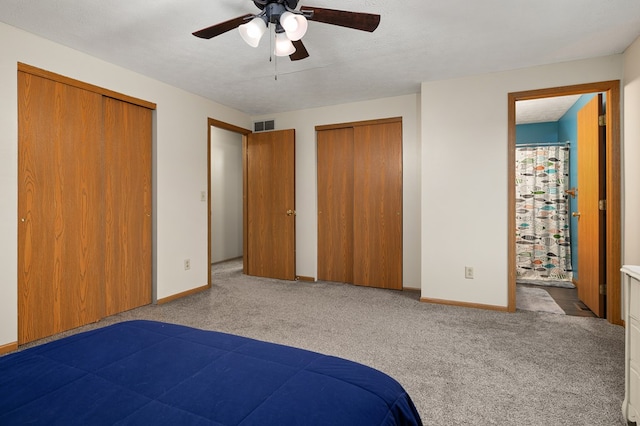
(575, 214)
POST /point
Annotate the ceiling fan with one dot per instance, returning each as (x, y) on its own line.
(290, 24)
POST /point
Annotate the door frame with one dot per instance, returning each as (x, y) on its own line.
(243, 132)
(613, 183)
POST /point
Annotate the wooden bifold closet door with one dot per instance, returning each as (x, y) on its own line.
(60, 257)
(360, 203)
(127, 139)
(84, 198)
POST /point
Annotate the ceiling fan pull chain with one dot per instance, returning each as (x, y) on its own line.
(271, 39)
(271, 55)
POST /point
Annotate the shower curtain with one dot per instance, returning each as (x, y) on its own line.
(543, 249)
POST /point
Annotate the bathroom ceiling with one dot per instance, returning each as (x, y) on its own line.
(543, 110)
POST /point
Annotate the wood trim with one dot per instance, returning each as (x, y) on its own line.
(578, 89)
(209, 213)
(358, 123)
(511, 206)
(245, 205)
(614, 206)
(303, 278)
(9, 347)
(29, 69)
(464, 304)
(226, 126)
(182, 294)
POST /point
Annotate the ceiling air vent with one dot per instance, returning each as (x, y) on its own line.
(263, 126)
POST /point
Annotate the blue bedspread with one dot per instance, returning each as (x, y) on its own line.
(152, 373)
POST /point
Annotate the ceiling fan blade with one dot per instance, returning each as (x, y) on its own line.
(301, 51)
(221, 28)
(356, 20)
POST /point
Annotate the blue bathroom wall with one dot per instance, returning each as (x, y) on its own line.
(537, 132)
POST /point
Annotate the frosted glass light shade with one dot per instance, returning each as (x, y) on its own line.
(284, 47)
(252, 31)
(294, 25)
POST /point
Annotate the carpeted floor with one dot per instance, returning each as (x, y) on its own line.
(461, 366)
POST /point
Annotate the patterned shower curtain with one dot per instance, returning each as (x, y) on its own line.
(543, 249)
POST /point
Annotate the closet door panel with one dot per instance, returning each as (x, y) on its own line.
(60, 250)
(335, 205)
(127, 139)
(377, 229)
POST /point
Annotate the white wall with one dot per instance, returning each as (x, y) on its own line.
(226, 195)
(180, 163)
(631, 155)
(304, 123)
(464, 175)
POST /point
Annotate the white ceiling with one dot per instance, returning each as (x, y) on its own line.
(417, 40)
(543, 110)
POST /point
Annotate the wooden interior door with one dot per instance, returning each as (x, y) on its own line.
(60, 204)
(127, 138)
(377, 201)
(335, 205)
(591, 219)
(270, 189)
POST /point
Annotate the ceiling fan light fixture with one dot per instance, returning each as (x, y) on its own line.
(284, 47)
(295, 25)
(252, 31)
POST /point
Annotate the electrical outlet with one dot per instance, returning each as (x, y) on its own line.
(468, 272)
(187, 264)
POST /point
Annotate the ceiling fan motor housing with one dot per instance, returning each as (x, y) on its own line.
(261, 4)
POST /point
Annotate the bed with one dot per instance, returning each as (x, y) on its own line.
(154, 373)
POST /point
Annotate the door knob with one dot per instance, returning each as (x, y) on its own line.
(290, 212)
(575, 214)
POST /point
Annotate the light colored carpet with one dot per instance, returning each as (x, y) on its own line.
(461, 366)
(536, 300)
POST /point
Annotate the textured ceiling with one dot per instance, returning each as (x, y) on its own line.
(544, 110)
(417, 40)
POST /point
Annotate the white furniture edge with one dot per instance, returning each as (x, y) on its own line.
(631, 272)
